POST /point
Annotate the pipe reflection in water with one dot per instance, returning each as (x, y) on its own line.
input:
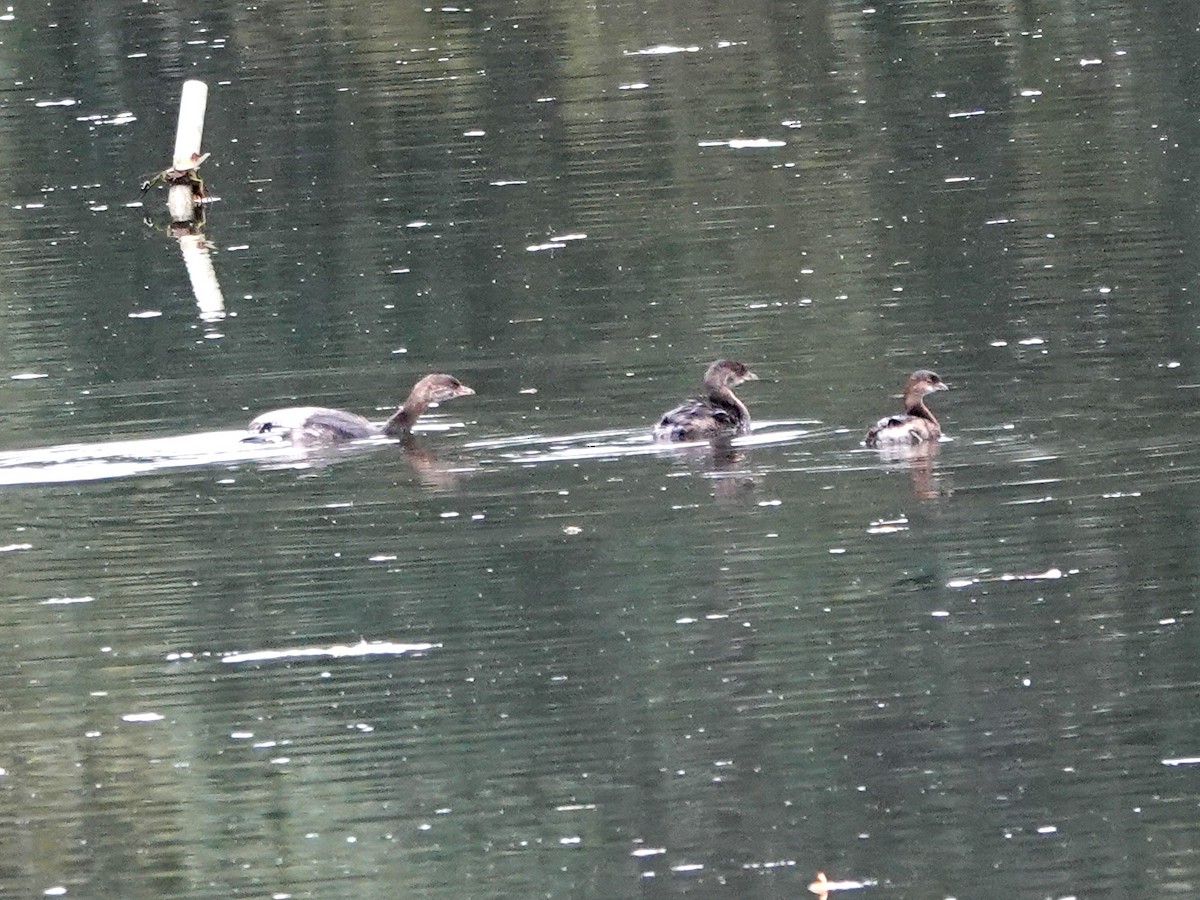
(197, 259)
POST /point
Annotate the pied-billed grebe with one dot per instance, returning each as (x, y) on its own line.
(719, 413)
(318, 425)
(916, 425)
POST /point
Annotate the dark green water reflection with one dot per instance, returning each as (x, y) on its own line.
(531, 656)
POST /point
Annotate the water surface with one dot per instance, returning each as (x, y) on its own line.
(533, 653)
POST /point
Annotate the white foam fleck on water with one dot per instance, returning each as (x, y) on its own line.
(142, 717)
(745, 143)
(122, 118)
(1048, 575)
(770, 864)
(662, 50)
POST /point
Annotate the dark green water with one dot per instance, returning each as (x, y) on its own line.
(533, 655)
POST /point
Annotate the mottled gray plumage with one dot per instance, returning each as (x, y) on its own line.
(917, 424)
(320, 425)
(718, 413)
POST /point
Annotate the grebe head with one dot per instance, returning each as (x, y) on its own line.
(728, 373)
(437, 388)
(922, 382)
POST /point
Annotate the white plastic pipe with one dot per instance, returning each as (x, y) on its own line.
(189, 133)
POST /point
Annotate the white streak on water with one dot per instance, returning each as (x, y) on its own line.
(1182, 761)
(662, 50)
(745, 143)
(362, 648)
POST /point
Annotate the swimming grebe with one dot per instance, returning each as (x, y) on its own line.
(318, 425)
(916, 425)
(718, 413)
